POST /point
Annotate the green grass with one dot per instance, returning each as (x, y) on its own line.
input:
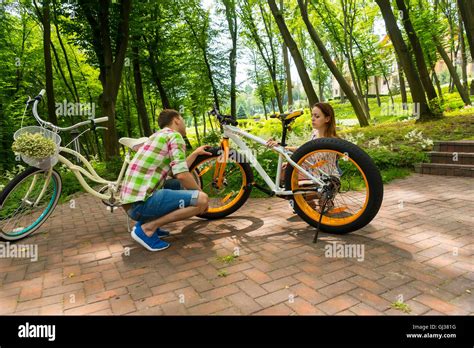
(227, 259)
(401, 306)
(222, 274)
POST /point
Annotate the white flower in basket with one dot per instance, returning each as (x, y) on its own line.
(37, 146)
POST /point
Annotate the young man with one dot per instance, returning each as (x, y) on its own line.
(143, 194)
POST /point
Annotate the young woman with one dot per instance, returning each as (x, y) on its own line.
(324, 126)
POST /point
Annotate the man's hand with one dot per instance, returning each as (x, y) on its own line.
(201, 150)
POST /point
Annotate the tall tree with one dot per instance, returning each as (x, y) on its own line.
(231, 16)
(48, 64)
(416, 87)
(418, 53)
(137, 76)
(343, 36)
(466, 9)
(200, 35)
(462, 45)
(452, 71)
(110, 47)
(265, 44)
(303, 5)
(295, 53)
(289, 85)
(286, 63)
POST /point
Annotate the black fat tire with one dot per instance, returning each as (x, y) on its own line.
(365, 163)
(247, 190)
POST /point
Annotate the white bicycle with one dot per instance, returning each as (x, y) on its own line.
(28, 200)
(331, 183)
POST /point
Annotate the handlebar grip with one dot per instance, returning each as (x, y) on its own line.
(101, 119)
(40, 95)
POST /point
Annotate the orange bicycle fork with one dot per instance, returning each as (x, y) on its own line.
(221, 163)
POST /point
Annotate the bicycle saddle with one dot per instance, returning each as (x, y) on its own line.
(288, 116)
(131, 143)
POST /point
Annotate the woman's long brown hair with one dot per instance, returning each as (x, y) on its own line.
(328, 111)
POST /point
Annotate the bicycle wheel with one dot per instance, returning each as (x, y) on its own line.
(354, 193)
(27, 201)
(235, 189)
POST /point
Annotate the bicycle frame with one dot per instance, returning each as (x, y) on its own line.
(78, 171)
(234, 133)
(91, 174)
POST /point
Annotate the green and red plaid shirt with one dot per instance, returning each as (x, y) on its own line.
(164, 151)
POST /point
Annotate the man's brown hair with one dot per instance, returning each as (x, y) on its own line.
(166, 116)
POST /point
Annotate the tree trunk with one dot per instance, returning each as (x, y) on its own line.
(61, 72)
(153, 111)
(359, 111)
(295, 53)
(321, 88)
(438, 85)
(416, 87)
(466, 8)
(48, 65)
(289, 86)
(110, 63)
(377, 94)
(286, 63)
(401, 78)
(457, 82)
(165, 102)
(66, 58)
(463, 54)
(264, 108)
(231, 17)
(141, 108)
(128, 122)
(388, 87)
(203, 48)
(204, 128)
(417, 51)
(196, 128)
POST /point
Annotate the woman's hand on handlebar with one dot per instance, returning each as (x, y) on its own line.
(272, 142)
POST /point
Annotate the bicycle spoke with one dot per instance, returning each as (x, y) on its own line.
(351, 196)
(19, 213)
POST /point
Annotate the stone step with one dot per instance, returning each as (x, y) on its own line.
(451, 157)
(454, 146)
(445, 169)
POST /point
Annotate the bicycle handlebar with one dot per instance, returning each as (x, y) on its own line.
(38, 98)
(223, 119)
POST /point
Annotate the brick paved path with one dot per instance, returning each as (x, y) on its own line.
(419, 249)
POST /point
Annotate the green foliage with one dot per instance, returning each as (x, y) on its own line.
(227, 259)
(404, 157)
(241, 112)
(401, 306)
(211, 139)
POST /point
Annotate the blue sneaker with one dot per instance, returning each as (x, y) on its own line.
(162, 233)
(153, 243)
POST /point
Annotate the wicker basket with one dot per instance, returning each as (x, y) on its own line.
(42, 163)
